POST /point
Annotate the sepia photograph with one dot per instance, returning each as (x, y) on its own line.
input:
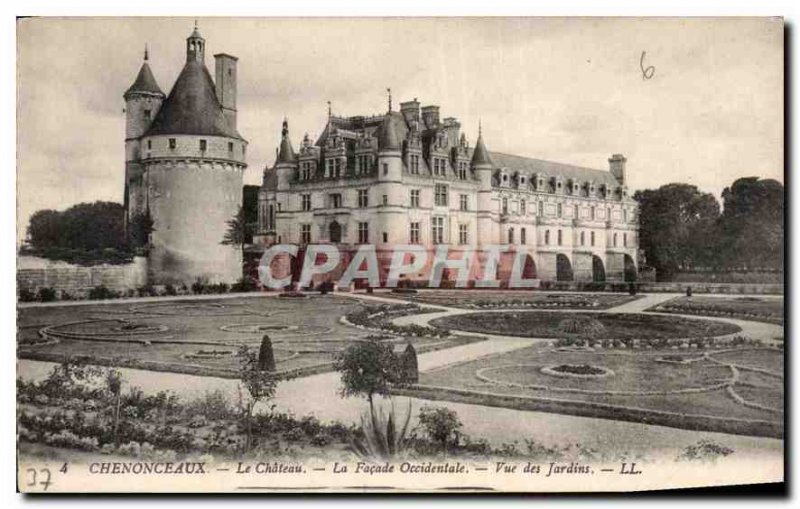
(399, 255)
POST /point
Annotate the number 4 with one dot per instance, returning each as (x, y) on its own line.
(63, 468)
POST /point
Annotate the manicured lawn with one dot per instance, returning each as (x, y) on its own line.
(616, 326)
(517, 376)
(201, 337)
(477, 299)
(768, 310)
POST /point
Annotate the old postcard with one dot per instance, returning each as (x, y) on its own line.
(399, 254)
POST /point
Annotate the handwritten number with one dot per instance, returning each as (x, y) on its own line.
(32, 481)
(647, 72)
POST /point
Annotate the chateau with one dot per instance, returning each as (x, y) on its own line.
(411, 177)
(403, 177)
(184, 161)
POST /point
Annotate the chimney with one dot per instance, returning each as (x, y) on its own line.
(410, 110)
(225, 66)
(616, 164)
(430, 116)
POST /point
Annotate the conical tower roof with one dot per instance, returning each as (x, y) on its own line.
(480, 156)
(387, 134)
(192, 106)
(286, 153)
(145, 81)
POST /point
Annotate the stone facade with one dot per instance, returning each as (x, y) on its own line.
(410, 178)
(184, 166)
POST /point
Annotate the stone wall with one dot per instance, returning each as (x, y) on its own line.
(35, 273)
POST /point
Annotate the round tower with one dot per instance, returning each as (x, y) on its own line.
(193, 159)
(482, 166)
(391, 195)
(142, 102)
(286, 160)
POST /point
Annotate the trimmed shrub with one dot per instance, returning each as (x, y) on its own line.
(581, 325)
(266, 356)
(47, 294)
(408, 365)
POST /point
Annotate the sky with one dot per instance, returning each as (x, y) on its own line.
(698, 101)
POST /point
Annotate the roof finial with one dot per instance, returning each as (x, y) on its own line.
(195, 24)
(285, 130)
(329, 111)
(146, 55)
(389, 91)
(480, 128)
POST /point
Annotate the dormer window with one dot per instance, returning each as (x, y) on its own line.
(413, 163)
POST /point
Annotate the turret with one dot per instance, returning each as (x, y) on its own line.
(286, 160)
(142, 101)
(481, 162)
(390, 192)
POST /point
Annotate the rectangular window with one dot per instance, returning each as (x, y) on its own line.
(559, 210)
(363, 233)
(337, 168)
(463, 202)
(414, 163)
(440, 195)
(230, 147)
(305, 233)
(363, 198)
(523, 209)
(437, 230)
(149, 144)
(624, 240)
(504, 209)
(385, 200)
(615, 240)
(306, 202)
(547, 237)
(462, 234)
(415, 198)
(172, 143)
(203, 145)
(413, 233)
(385, 168)
(385, 237)
(329, 168)
(560, 237)
(336, 200)
(146, 114)
(592, 238)
(523, 236)
(540, 211)
(439, 167)
(462, 170)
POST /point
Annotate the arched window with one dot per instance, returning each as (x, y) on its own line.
(522, 236)
(511, 235)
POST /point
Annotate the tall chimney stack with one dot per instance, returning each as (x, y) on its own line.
(616, 164)
(225, 67)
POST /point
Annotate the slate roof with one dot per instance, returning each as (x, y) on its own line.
(192, 107)
(145, 82)
(286, 153)
(529, 166)
(480, 155)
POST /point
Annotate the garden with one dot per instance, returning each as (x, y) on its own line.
(585, 326)
(732, 385)
(760, 309)
(488, 299)
(202, 337)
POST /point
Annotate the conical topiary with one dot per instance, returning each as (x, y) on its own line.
(408, 363)
(266, 358)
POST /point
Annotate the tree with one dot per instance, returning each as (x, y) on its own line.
(237, 230)
(751, 226)
(678, 228)
(266, 357)
(409, 365)
(260, 385)
(368, 367)
(440, 424)
(86, 226)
